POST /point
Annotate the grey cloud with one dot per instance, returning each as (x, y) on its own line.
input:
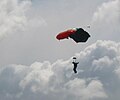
(108, 12)
(15, 17)
(106, 20)
(12, 16)
(98, 77)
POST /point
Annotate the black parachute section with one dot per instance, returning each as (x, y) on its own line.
(80, 35)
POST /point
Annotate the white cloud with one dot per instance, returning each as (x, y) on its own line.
(80, 89)
(117, 71)
(108, 12)
(98, 79)
(101, 55)
(15, 16)
(106, 20)
(40, 79)
(37, 77)
(12, 15)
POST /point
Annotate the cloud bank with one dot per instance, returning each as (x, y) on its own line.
(15, 17)
(106, 20)
(98, 77)
(12, 15)
(108, 12)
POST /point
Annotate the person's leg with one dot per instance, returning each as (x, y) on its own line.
(74, 69)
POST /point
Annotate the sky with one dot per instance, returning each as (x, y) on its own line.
(34, 65)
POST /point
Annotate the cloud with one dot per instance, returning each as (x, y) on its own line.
(97, 78)
(101, 61)
(81, 89)
(106, 20)
(108, 12)
(15, 17)
(12, 15)
(25, 82)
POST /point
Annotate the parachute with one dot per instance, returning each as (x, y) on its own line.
(77, 34)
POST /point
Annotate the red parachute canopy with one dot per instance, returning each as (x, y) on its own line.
(77, 34)
(65, 34)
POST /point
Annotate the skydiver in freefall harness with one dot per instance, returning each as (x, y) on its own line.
(75, 65)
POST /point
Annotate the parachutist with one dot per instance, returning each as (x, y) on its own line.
(78, 35)
(75, 66)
